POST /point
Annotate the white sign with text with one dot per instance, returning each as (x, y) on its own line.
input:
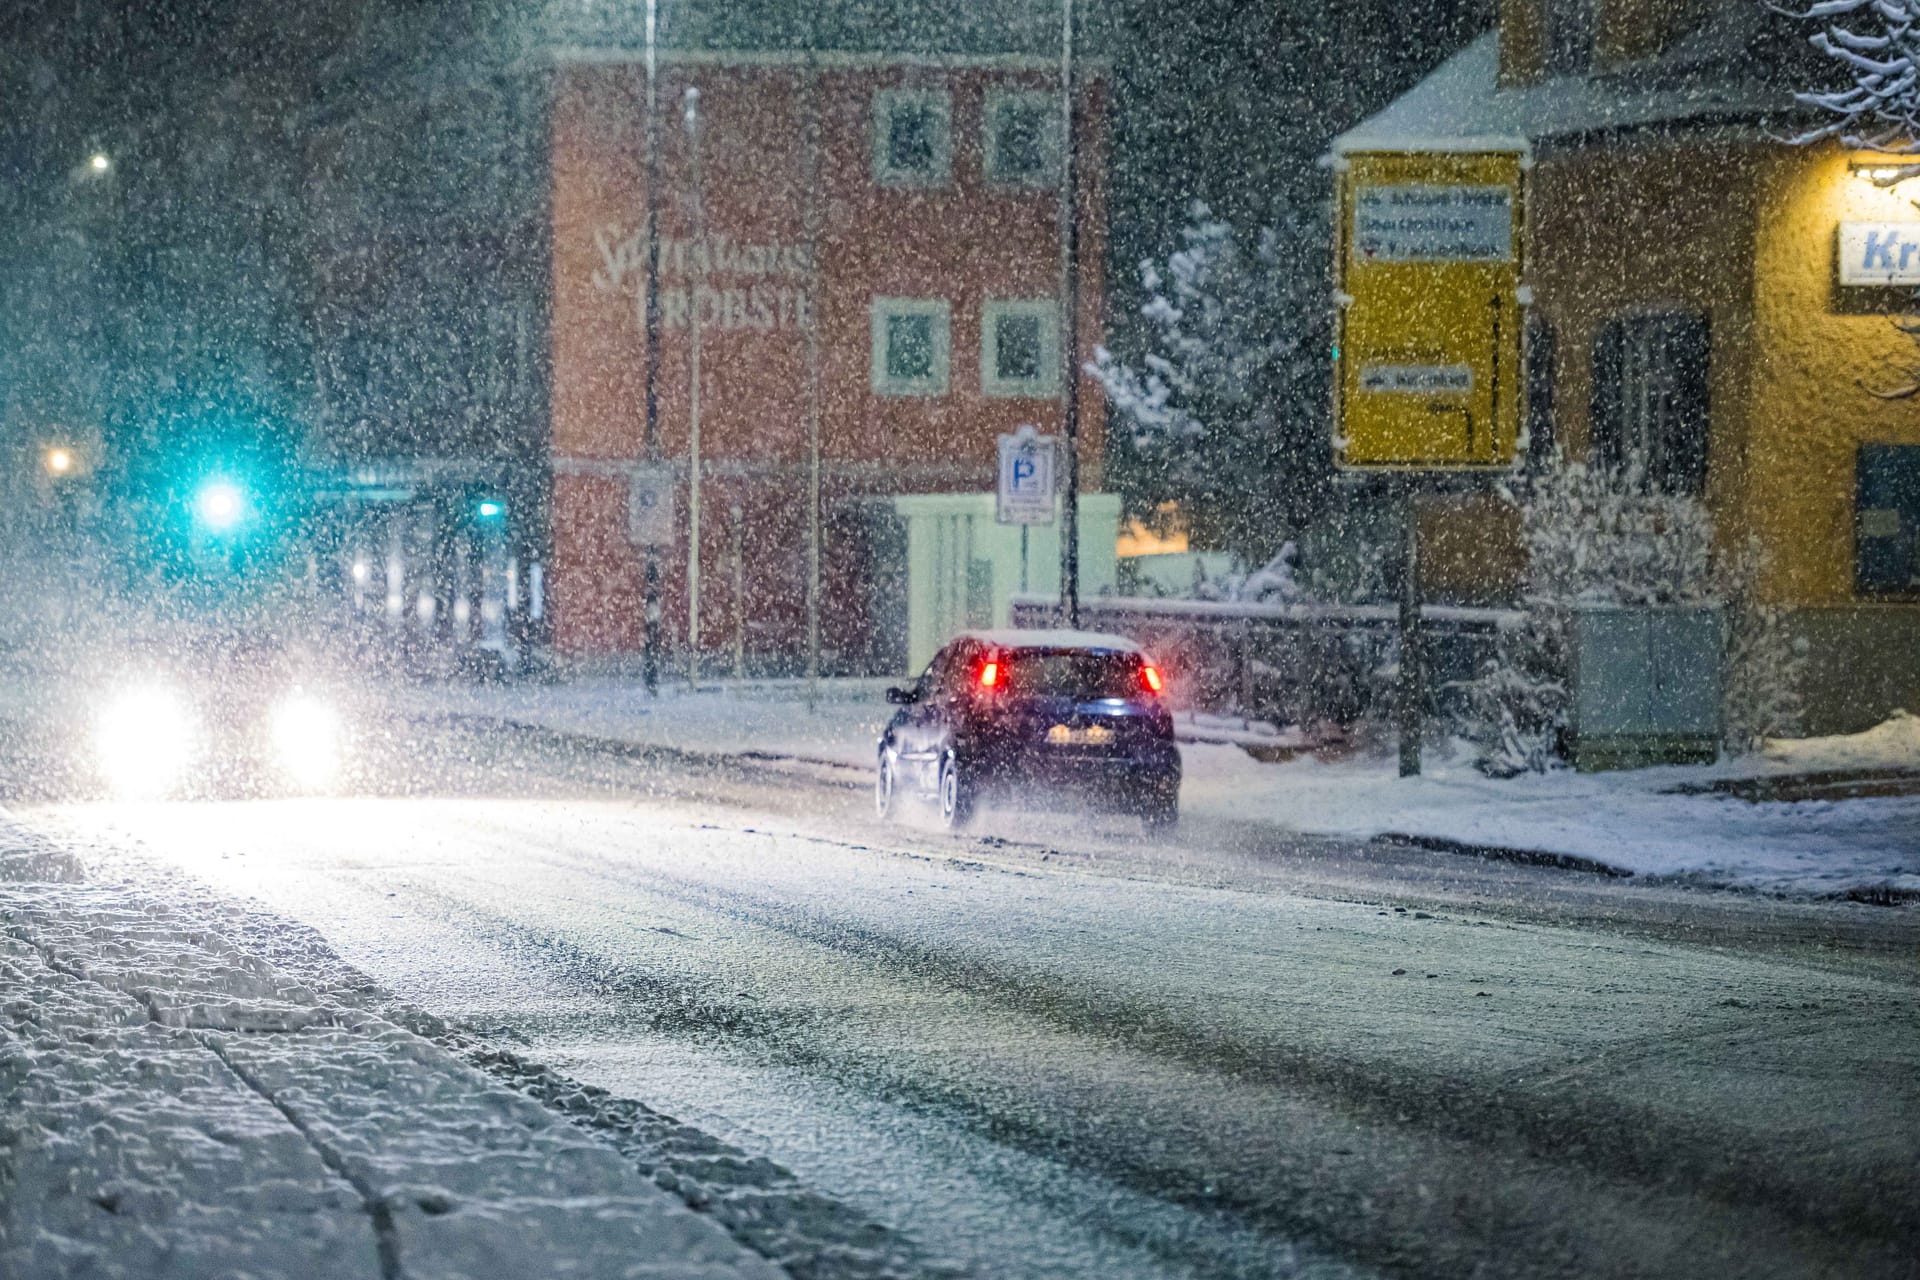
(1421, 223)
(1026, 478)
(1879, 253)
(650, 508)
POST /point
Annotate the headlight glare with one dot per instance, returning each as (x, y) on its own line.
(144, 741)
(307, 742)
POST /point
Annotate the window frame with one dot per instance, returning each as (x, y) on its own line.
(1044, 387)
(885, 101)
(940, 311)
(1640, 410)
(1052, 169)
(1872, 548)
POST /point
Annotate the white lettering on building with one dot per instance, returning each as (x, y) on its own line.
(722, 283)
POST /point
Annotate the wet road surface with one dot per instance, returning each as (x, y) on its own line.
(1054, 1048)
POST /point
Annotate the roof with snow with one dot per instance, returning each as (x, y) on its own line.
(1739, 67)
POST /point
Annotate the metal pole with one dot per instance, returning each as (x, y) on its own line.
(1412, 657)
(812, 218)
(650, 623)
(693, 393)
(739, 594)
(1069, 326)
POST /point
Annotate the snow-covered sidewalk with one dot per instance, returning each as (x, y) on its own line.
(1632, 821)
(173, 1107)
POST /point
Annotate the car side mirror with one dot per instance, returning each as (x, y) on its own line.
(902, 697)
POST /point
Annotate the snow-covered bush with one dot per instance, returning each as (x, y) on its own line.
(1223, 416)
(1596, 535)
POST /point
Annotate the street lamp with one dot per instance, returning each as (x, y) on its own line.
(99, 162)
(58, 460)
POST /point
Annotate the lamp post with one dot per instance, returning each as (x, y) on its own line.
(650, 621)
(692, 116)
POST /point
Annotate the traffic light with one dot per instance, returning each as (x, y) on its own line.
(490, 509)
(219, 506)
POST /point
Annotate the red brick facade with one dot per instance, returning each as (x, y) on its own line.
(966, 241)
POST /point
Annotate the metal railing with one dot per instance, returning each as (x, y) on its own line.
(1300, 664)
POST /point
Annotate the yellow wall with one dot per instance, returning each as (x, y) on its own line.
(1650, 227)
(1820, 353)
(1745, 232)
(1522, 42)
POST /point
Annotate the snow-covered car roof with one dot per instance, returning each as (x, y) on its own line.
(1052, 638)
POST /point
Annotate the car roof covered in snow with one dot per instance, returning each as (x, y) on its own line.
(1052, 638)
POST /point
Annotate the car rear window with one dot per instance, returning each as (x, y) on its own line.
(1072, 673)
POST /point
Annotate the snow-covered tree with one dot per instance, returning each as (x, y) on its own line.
(1875, 43)
(1598, 535)
(1224, 414)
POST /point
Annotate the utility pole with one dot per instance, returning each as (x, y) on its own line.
(693, 394)
(1412, 691)
(1069, 326)
(811, 159)
(650, 619)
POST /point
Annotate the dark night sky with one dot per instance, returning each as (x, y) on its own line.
(196, 236)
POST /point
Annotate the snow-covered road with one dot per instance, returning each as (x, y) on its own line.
(1074, 1054)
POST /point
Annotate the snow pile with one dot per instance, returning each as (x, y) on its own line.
(172, 1107)
(1634, 820)
(1892, 744)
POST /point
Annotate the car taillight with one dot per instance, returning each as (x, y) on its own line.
(1150, 677)
(989, 674)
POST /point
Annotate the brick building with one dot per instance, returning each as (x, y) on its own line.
(859, 245)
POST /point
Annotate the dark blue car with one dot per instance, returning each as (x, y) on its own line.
(1032, 715)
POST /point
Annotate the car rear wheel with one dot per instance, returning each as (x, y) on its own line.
(956, 796)
(885, 786)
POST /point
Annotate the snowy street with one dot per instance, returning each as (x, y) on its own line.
(1048, 1047)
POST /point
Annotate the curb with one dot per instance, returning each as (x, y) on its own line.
(1503, 853)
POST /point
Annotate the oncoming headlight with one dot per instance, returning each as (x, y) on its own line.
(307, 737)
(144, 741)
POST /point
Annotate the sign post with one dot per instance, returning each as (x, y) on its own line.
(1428, 352)
(1026, 490)
(650, 507)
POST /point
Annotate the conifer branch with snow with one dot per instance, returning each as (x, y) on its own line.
(1224, 412)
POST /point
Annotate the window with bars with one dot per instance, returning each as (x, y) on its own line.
(1650, 399)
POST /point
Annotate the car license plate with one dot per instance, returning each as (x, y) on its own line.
(1093, 735)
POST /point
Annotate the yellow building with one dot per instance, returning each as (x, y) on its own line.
(1710, 298)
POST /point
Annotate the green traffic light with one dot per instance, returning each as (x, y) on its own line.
(219, 506)
(491, 510)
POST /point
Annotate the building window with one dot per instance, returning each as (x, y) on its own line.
(1022, 138)
(1650, 382)
(910, 346)
(912, 137)
(1569, 36)
(1886, 521)
(1019, 349)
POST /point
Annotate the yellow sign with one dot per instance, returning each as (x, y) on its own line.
(1429, 333)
